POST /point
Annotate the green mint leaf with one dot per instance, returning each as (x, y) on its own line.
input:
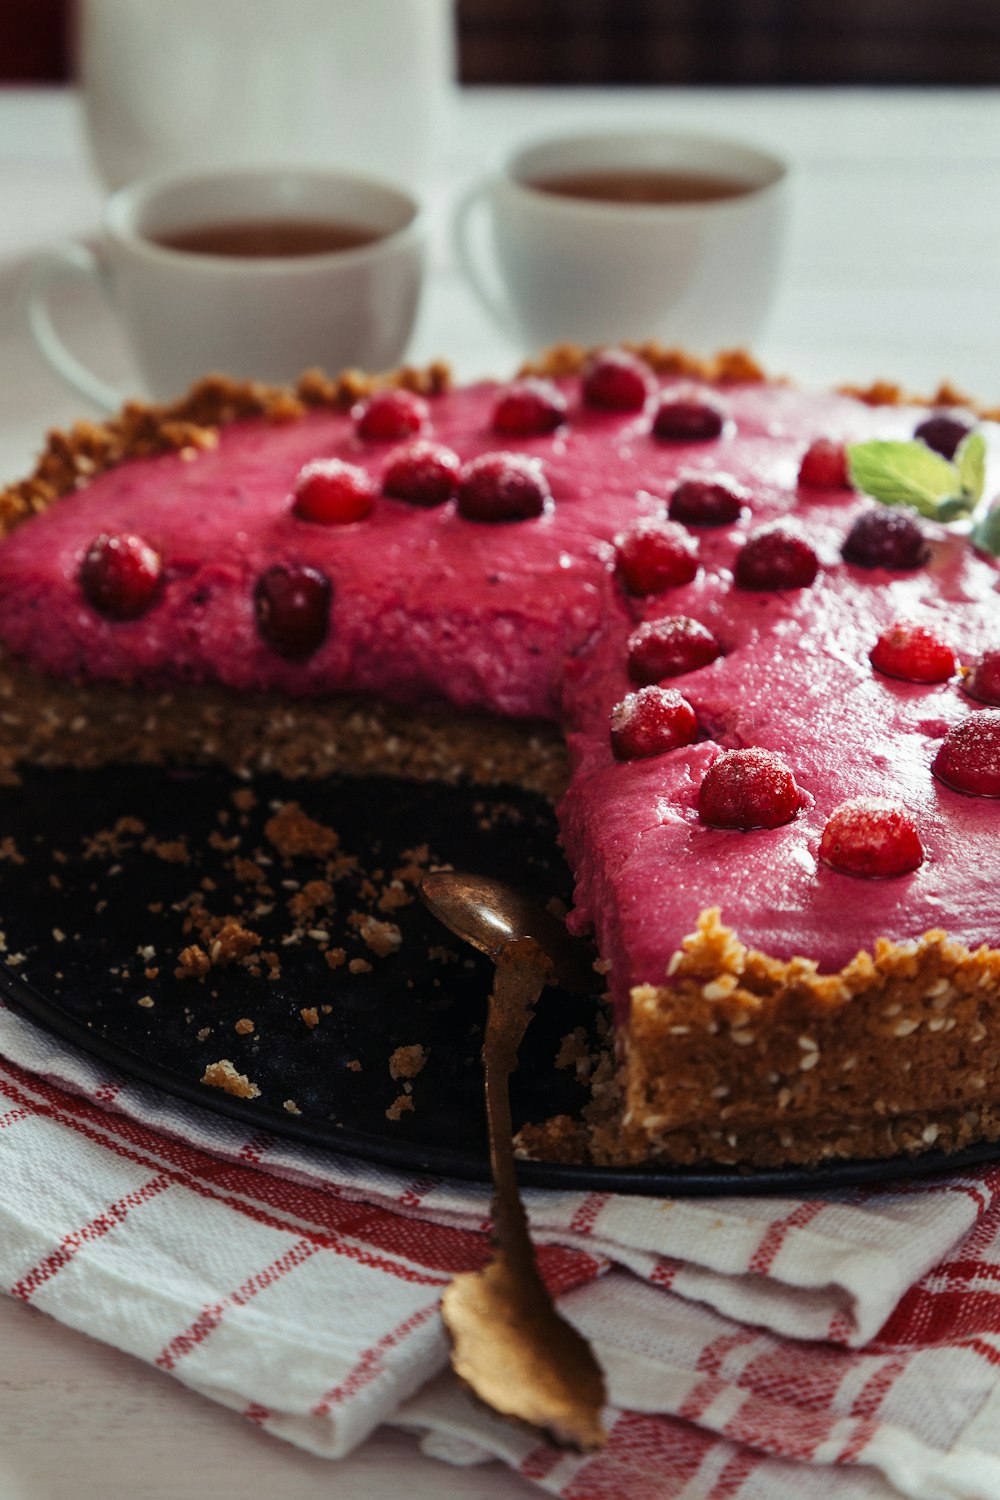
(900, 473)
(970, 460)
(953, 508)
(986, 533)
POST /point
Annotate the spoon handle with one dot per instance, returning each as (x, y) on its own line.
(509, 1344)
(521, 970)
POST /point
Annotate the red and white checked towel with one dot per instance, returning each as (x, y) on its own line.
(762, 1349)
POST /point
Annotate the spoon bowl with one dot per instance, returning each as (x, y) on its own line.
(509, 1343)
(489, 914)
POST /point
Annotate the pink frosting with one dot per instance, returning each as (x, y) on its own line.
(528, 619)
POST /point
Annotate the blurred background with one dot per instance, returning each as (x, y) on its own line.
(651, 41)
(888, 111)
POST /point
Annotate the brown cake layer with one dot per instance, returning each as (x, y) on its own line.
(746, 1058)
(50, 722)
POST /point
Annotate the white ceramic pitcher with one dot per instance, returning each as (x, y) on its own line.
(360, 85)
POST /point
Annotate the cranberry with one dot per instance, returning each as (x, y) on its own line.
(422, 473)
(871, 836)
(616, 381)
(391, 416)
(707, 502)
(332, 492)
(653, 555)
(502, 487)
(776, 557)
(120, 575)
(943, 433)
(687, 420)
(969, 757)
(914, 653)
(528, 408)
(886, 538)
(748, 789)
(824, 466)
(292, 603)
(983, 682)
(651, 721)
(668, 647)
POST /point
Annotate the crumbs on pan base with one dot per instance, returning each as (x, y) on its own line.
(222, 1075)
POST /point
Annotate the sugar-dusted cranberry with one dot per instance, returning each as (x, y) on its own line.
(824, 466)
(502, 487)
(943, 433)
(885, 537)
(914, 653)
(668, 647)
(651, 721)
(292, 604)
(871, 836)
(707, 502)
(391, 416)
(969, 757)
(983, 682)
(653, 555)
(750, 788)
(776, 557)
(616, 381)
(528, 408)
(333, 492)
(120, 575)
(687, 419)
(421, 472)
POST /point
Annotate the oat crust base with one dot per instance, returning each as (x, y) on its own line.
(54, 722)
(744, 1057)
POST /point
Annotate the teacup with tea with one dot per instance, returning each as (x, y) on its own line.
(629, 235)
(254, 273)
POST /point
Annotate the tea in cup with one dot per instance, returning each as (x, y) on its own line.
(256, 274)
(650, 234)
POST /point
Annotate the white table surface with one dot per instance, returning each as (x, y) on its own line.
(892, 269)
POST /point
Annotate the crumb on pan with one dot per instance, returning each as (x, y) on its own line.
(222, 1075)
(407, 1062)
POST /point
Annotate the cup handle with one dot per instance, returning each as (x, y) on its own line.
(461, 228)
(60, 263)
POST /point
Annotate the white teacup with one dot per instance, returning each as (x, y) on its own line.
(262, 316)
(597, 269)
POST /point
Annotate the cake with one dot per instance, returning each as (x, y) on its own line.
(765, 703)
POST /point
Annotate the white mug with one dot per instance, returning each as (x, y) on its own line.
(362, 85)
(593, 271)
(269, 317)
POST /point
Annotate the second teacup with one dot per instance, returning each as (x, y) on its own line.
(254, 273)
(630, 235)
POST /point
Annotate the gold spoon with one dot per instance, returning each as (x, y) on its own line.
(509, 1344)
